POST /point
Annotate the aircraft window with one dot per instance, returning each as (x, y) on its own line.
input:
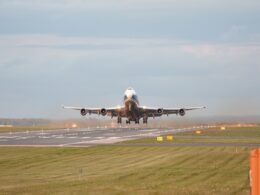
(135, 97)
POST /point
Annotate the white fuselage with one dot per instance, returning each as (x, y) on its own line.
(131, 105)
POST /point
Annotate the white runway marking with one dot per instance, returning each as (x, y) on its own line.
(21, 138)
(44, 137)
(8, 137)
(80, 137)
(99, 137)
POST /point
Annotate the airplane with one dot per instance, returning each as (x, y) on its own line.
(131, 110)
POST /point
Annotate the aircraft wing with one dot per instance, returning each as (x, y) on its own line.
(154, 112)
(113, 111)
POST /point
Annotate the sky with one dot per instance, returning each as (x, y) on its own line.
(174, 53)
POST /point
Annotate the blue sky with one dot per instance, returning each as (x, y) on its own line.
(174, 53)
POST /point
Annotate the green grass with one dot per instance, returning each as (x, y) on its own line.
(249, 132)
(116, 170)
(230, 135)
(128, 169)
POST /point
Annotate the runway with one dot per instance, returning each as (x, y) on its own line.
(97, 136)
(81, 137)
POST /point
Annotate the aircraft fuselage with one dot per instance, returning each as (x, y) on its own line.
(131, 106)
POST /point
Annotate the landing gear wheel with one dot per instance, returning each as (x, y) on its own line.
(119, 120)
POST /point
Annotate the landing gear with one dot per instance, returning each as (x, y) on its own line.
(119, 120)
(136, 121)
(145, 120)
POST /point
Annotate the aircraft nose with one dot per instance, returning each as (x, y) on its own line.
(129, 96)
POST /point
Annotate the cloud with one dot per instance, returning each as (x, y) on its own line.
(42, 49)
(236, 51)
(130, 4)
(49, 40)
(73, 60)
(181, 52)
(72, 68)
(185, 20)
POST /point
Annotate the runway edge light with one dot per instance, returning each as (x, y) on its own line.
(254, 172)
(169, 137)
(198, 132)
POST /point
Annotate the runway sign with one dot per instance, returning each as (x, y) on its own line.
(169, 137)
(160, 138)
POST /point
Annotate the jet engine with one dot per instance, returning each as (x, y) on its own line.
(182, 112)
(83, 112)
(103, 111)
(160, 111)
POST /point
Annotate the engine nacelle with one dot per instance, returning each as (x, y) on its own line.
(103, 111)
(83, 112)
(160, 111)
(182, 112)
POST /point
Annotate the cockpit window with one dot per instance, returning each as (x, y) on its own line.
(135, 97)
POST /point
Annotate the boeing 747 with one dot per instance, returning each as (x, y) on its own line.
(131, 110)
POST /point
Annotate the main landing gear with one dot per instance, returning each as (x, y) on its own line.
(145, 120)
(128, 121)
(119, 120)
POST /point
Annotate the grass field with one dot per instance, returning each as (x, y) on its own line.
(114, 169)
(249, 132)
(215, 135)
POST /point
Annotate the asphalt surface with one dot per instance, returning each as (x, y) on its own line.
(98, 136)
(80, 137)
